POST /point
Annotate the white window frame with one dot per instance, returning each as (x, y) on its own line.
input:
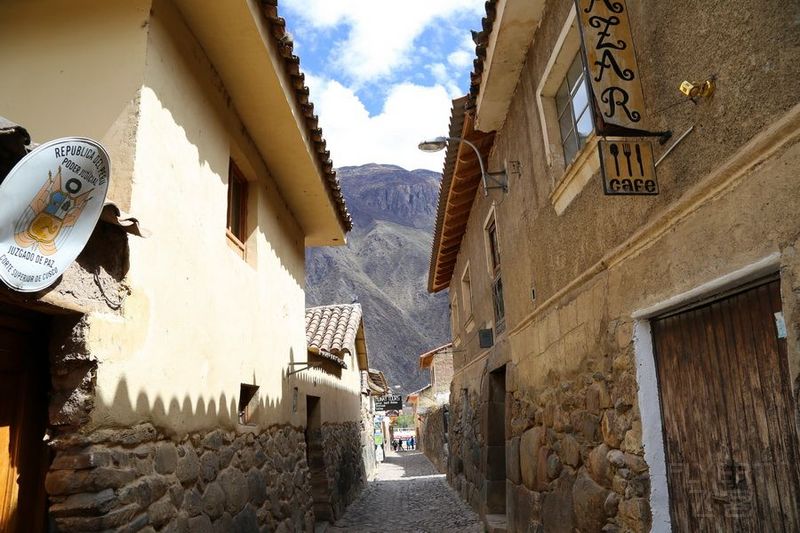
(575, 175)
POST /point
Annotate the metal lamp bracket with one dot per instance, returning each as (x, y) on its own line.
(308, 364)
(500, 180)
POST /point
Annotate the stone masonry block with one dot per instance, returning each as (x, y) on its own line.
(529, 446)
(60, 482)
(234, 485)
(513, 472)
(85, 504)
(588, 499)
(81, 460)
(188, 467)
(166, 458)
(112, 519)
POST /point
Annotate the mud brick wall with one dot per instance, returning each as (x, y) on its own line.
(434, 440)
(344, 463)
(136, 479)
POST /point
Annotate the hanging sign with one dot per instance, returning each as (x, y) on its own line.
(49, 205)
(390, 402)
(627, 167)
(611, 63)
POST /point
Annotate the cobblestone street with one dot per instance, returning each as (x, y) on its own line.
(408, 495)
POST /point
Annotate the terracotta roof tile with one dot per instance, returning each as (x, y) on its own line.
(481, 39)
(332, 328)
(374, 383)
(291, 65)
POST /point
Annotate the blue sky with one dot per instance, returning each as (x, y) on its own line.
(382, 73)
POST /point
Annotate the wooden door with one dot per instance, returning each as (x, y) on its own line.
(23, 401)
(728, 412)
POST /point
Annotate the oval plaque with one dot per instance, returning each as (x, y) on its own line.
(49, 205)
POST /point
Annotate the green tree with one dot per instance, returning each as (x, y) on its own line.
(405, 420)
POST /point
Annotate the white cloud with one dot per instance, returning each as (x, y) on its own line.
(382, 32)
(460, 58)
(410, 114)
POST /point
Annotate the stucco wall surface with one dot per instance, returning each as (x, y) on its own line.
(201, 319)
(59, 83)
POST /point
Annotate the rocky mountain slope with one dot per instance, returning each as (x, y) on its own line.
(385, 268)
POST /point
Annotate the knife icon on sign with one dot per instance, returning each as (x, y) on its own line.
(639, 160)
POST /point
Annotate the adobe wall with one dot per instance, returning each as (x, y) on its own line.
(57, 86)
(729, 195)
(164, 330)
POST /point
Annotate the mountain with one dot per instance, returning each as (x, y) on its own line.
(385, 268)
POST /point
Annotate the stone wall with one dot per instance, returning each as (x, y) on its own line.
(344, 463)
(433, 438)
(574, 458)
(136, 479)
(465, 442)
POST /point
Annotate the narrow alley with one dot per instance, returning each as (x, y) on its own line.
(408, 495)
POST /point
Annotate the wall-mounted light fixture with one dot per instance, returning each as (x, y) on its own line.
(696, 90)
(500, 179)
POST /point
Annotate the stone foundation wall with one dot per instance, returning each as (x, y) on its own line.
(344, 463)
(465, 443)
(434, 442)
(574, 456)
(575, 460)
(136, 479)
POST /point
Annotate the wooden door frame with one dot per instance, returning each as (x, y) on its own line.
(647, 375)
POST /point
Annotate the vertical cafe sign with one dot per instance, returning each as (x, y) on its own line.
(49, 205)
(611, 62)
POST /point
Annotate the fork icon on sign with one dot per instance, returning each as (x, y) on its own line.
(626, 149)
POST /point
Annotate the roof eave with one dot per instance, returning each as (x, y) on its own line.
(509, 28)
(456, 197)
(273, 104)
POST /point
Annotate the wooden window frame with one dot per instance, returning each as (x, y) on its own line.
(493, 256)
(572, 89)
(466, 294)
(237, 235)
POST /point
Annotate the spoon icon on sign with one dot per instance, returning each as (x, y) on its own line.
(614, 149)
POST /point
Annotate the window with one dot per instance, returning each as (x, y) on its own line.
(454, 315)
(237, 206)
(466, 294)
(574, 112)
(497, 280)
(565, 111)
(248, 401)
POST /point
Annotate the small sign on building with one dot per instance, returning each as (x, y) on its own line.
(390, 402)
(628, 167)
(49, 205)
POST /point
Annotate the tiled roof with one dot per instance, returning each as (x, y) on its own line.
(374, 383)
(332, 328)
(426, 358)
(291, 64)
(481, 40)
